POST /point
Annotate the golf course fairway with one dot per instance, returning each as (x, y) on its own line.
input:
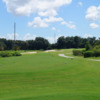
(47, 76)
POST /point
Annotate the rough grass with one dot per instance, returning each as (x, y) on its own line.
(46, 76)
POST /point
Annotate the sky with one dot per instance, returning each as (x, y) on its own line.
(49, 18)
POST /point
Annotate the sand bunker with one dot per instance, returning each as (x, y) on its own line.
(62, 55)
(29, 53)
(50, 50)
(94, 60)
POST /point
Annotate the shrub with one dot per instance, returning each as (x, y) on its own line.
(88, 54)
(78, 52)
(9, 54)
(93, 53)
(5, 54)
(97, 47)
(17, 54)
(97, 53)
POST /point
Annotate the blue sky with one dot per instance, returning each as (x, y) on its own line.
(45, 17)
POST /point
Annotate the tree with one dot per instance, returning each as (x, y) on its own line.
(41, 43)
(24, 45)
(61, 42)
(88, 46)
(2, 46)
(91, 40)
(31, 45)
(77, 42)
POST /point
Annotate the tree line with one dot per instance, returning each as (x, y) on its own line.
(41, 43)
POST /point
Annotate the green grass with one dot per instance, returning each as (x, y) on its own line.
(46, 76)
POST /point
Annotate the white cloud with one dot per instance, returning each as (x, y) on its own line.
(28, 36)
(69, 24)
(38, 22)
(45, 22)
(2, 37)
(50, 12)
(50, 39)
(87, 35)
(53, 19)
(11, 36)
(93, 13)
(80, 3)
(53, 28)
(27, 7)
(93, 25)
(53, 39)
(46, 11)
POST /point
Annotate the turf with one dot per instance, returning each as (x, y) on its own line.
(46, 76)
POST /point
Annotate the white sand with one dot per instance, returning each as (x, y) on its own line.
(94, 60)
(62, 55)
(50, 50)
(29, 53)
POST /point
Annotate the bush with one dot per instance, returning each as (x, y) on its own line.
(78, 52)
(5, 54)
(97, 53)
(97, 47)
(88, 54)
(93, 53)
(17, 54)
(9, 54)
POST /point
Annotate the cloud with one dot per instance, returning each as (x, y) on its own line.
(11, 36)
(28, 36)
(2, 37)
(38, 22)
(69, 24)
(93, 13)
(87, 35)
(41, 7)
(93, 25)
(50, 12)
(45, 22)
(80, 3)
(46, 11)
(53, 28)
(53, 39)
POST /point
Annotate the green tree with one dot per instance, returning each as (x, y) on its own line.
(2, 46)
(41, 43)
(61, 42)
(88, 46)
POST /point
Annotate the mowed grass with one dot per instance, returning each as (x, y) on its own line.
(46, 76)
